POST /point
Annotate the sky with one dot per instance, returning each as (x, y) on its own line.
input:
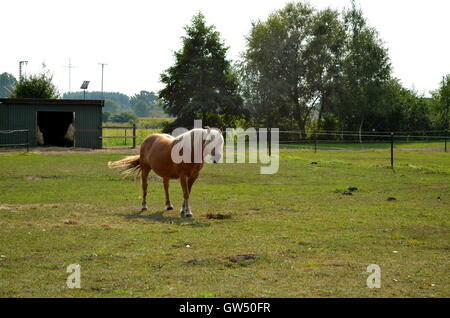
(136, 39)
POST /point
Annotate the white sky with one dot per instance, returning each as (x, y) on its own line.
(137, 38)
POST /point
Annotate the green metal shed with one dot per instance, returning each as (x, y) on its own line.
(24, 120)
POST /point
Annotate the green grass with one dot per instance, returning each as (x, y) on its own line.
(308, 238)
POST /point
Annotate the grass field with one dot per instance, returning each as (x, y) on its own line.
(301, 235)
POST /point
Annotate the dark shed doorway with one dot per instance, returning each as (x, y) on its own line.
(54, 126)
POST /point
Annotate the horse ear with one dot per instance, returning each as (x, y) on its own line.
(221, 129)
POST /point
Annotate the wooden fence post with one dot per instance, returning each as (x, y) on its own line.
(134, 135)
(392, 150)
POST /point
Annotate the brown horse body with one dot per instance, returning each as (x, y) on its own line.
(157, 154)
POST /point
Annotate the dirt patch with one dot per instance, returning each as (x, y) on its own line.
(218, 216)
(232, 261)
(244, 257)
(41, 177)
(5, 207)
(70, 222)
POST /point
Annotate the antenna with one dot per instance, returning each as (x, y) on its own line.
(20, 68)
(103, 66)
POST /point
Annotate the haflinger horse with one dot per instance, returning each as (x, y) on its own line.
(180, 157)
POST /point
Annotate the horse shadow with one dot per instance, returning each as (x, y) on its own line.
(159, 216)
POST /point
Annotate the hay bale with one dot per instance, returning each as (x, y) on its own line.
(70, 134)
(39, 137)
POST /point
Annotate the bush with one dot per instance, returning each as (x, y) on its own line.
(124, 117)
(35, 86)
(106, 116)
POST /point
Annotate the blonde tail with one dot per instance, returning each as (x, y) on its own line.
(128, 165)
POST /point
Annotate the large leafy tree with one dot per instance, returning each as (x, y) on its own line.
(325, 54)
(35, 86)
(305, 67)
(274, 71)
(441, 104)
(290, 67)
(7, 82)
(366, 68)
(201, 84)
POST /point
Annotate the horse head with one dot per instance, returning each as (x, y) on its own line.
(213, 143)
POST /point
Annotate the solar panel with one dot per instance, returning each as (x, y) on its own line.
(85, 85)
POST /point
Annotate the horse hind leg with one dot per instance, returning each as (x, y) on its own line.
(144, 180)
(185, 210)
(168, 204)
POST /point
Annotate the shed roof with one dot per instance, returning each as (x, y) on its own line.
(60, 102)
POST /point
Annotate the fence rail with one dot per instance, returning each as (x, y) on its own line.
(318, 140)
(315, 139)
(9, 132)
(133, 136)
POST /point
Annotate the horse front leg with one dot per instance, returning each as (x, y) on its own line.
(185, 210)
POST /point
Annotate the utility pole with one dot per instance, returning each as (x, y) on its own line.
(20, 68)
(103, 66)
(70, 66)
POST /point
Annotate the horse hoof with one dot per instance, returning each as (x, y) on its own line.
(170, 207)
(144, 209)
(186, 215)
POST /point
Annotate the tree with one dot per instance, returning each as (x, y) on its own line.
(35, 86)
(122, 99)
(273, 70)
(141, 108)
(313, 68)
(7, 82)
(441, 104)
(106, 116)
(291, 63)
(145, 96)
(112, 106)
(324, 56)
(366, 69)
(201, 84)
